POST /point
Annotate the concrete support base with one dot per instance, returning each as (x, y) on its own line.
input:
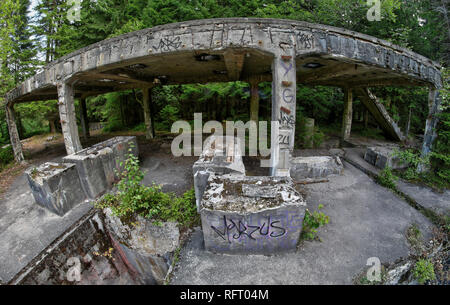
(56, 186)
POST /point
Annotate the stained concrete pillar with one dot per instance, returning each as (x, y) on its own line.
(347, 115)
(68, 118)
(13, 133)
(146, 92)
(283, 111)
(254, 101)
(84, 118)
(434, 103)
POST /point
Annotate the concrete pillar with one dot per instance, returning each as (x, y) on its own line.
(146, 92)
(366, 118)
(13, 133)
(347, 116)
(434, 102)
(254, 101)
(84, 118)
(68, 118)
(283, 111)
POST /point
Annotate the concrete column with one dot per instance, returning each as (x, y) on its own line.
(434, 102)
(347, 116)
(146, 92)
(254, 101)
(68, 118)
(13, 133)
(366, 118)
(283, 111)
(84, 118)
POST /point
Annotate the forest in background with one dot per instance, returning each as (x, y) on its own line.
(32, 35)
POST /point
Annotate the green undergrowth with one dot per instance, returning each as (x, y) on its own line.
(133, 198)
(312, 222)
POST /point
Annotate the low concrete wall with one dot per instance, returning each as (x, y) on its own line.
(221, 155)
(315, 167)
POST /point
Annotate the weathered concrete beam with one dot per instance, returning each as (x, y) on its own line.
(68, 118)
(333, 72)
(284, 88)
(13, 133)
(84, 118)
(379, 113)
(147, 93)
(348, 114)
(234, 62)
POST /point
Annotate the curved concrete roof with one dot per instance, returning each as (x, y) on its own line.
(218, 50)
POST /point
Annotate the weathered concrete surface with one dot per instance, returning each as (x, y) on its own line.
(91, 172)
(99, 166)
(220, 155)
(121, 147)
(249, 215)
(139, 50)
(426, 197)
(382, 157)
(366, 220)
(26, 228)
(315, 167)
(380, 114)
(147, 249)
(56, 186)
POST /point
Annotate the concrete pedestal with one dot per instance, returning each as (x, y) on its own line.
(56, 186)
(251, 215)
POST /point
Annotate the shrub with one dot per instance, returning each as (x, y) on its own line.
(148, 201)
(424, 271)
(312, 222)
(387, 178)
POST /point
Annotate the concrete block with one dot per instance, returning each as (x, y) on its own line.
(145, 247)
(90, 168)
(221, 155)
(315, 167)
(381, 157)
(251, 215)
(56, 186)
(121, 146)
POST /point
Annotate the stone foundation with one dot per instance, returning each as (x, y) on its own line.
(56, 186)
(251, 215)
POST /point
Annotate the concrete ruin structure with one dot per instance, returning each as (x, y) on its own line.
(56, 186)
(285, 52)
(86, 174)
